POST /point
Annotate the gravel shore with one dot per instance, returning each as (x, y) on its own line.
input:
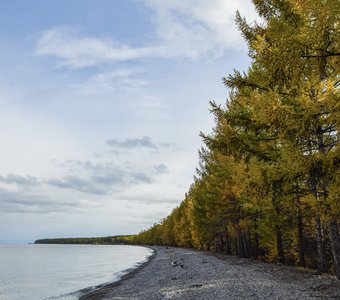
(174, 273)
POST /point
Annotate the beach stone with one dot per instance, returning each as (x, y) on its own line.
(213, 277)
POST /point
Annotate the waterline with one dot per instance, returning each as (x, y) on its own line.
(62, 271)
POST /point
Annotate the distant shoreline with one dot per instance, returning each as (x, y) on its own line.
(106, 240)
(179, 273)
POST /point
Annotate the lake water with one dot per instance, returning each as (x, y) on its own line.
(59, 272)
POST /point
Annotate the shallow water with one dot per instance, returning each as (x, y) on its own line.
(35, 272)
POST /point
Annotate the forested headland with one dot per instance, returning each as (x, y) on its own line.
(267, 184)
(107, 240)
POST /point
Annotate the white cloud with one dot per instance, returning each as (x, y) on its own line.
(79, 52)
(191, 28)
(19, 202)
(184, 29)
(122, 78)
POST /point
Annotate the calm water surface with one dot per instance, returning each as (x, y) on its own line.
(35, 272)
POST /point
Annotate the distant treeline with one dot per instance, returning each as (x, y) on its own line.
(108, 240)
(268, 180)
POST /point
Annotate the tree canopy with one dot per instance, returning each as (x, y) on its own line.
(268, 180)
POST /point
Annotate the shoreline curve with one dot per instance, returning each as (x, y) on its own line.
(179, 274)
(99, 291)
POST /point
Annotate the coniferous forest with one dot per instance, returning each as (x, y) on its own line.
(268, 180)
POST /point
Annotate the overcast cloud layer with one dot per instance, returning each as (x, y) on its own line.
(102, 103)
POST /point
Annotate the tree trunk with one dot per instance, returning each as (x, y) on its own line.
(300, 245)
(279, 245)
(236, 246)
(222, 244)
(240, 243)
(256, 238)
(227, 243)
(249, 244)
(333, 233)
(322, 266)
(301, 248)
(245, 245)
(276, 200)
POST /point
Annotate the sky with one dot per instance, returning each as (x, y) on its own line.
(102, 103)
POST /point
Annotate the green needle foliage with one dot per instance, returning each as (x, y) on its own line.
(268, 181)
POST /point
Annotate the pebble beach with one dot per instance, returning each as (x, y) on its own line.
(175, 273)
